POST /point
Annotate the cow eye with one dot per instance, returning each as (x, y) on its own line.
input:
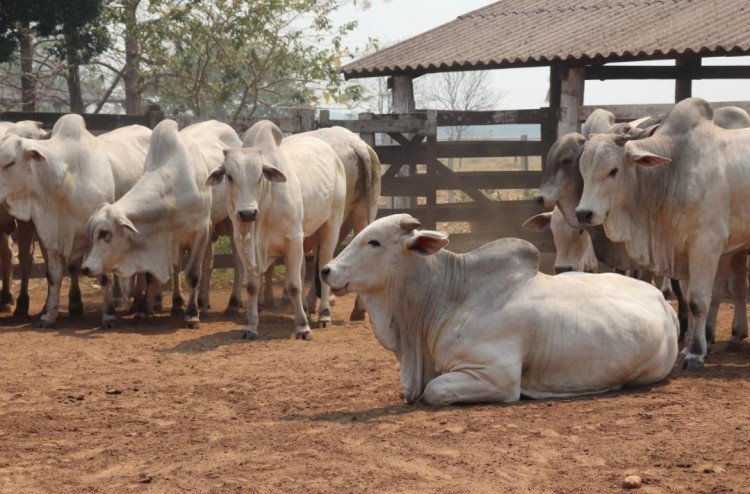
(374, 243)
(9, 165)
(229, 178)
(566, 161)
(105, 235)
(613, 172)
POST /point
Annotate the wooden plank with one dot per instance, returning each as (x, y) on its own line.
(286, 124)
(464, 149)
(93, 121)
(508, 214)
(419, 185)
(461, 118)
(613, 72)
(401, 126)
(624, 113)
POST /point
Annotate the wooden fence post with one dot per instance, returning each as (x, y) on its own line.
(431, 159)
(306, 119)
(154, 115)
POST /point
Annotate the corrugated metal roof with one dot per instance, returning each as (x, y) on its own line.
(517, 33)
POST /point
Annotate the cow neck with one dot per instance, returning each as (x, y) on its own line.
(258, 249)
(421, 296)
(648, 220)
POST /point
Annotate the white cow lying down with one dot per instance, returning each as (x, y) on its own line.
(487, 326)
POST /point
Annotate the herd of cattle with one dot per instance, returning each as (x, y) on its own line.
(666, 195)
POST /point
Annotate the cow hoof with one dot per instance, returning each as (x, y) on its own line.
(357, 315)
(47, 325)
(75, 309)
(738, 347)
(110, 324)
(192, 324)
(177, 312)
(158, 308)
(141, 318)
(249, 334)
(5, 307)
(324, 323)
(305, 335)
(692, 363)
(232, 311)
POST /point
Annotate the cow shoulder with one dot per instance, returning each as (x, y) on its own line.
(514, 258)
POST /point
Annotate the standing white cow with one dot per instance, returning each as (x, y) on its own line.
(487, 326)
(573, 247)
(279, 193)
(58, 183)
(168, 210)
(24, 233)
(363, 172)
(678, 200)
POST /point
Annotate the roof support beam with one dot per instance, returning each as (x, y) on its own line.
(572, 82)
(402, 101)
(686, 66)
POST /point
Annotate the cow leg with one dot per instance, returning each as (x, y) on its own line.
(461, 387)
(702, 266)
(109, 308)
(55, 268)
(25, 237)
(738, 286)
(193, 271)
(250, 329)
(6, 264)
(265, 297)
(294, 259)
(309, 272)
(329, 237)
(75, 305)
(120, 286)
(138, 292)
(204, 302)
(178, 303)
(146, 307)
(360, 219)
(682, 308)
(235, 300)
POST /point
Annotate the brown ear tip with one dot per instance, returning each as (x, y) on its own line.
(409, 224)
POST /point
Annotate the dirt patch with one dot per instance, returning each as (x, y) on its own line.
(158, 408)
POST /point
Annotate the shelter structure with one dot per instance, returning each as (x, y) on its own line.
(577, 39)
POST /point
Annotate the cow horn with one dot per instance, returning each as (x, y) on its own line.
(621, 139)
(409, 224)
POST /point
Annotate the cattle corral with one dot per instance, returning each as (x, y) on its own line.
(158, 408)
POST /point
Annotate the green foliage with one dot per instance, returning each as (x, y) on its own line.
(230, 58)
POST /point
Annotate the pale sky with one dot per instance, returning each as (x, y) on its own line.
(395, 20)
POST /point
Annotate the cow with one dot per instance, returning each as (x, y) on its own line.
(573, 247)
(677, 200)
(169, 209)
(57, 184)
(486, 326)
(24, 233)
(281, 191)
(362, 168)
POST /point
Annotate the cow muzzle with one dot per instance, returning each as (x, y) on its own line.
(247, 215)
(584, 216)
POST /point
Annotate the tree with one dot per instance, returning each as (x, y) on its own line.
(230, 58)
(73, 26)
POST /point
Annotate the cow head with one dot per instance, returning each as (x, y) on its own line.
(109, 234)
(608, 167)
(248, 173)
(575, 251)
(372, 257)
(561, 179)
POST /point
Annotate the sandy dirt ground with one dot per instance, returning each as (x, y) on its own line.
(157, 408)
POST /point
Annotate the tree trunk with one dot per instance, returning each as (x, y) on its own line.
(132, 74)
(74, 77)
(28, 83)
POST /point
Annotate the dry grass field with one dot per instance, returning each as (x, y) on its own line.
(157, 408)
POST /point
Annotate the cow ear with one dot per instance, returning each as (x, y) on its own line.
(427, 242)
(34, 155)
(409, 224)
(644, 158)
(273, 174)
(124, 222)
(217, 176)
(538, 223)
(226, 152)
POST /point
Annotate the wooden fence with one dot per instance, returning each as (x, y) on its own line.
(481, 213)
